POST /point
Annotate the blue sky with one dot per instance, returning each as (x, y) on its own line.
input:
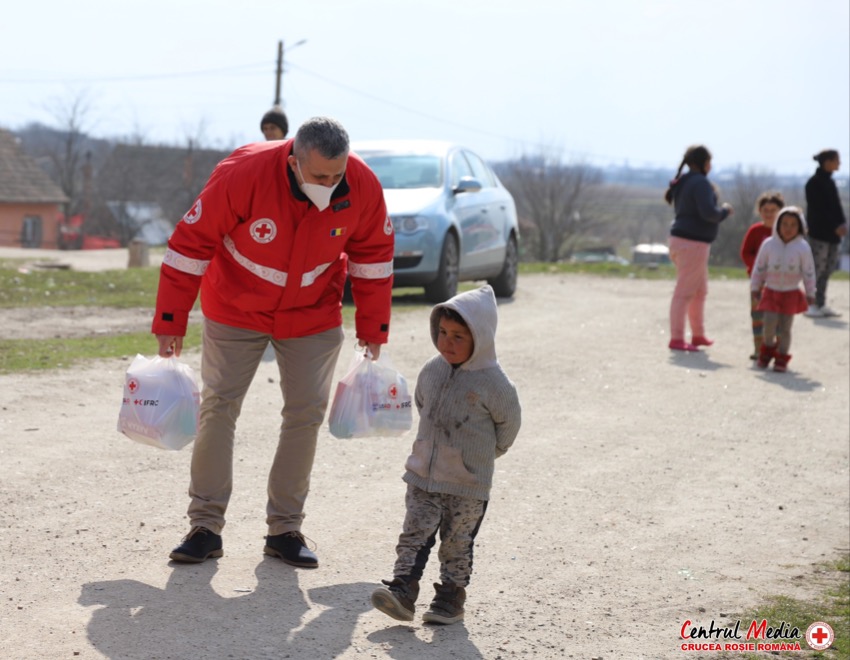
(763, 83)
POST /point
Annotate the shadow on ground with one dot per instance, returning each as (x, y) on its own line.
(273, 620)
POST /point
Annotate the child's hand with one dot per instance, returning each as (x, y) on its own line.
(810, 300)
(756, 296)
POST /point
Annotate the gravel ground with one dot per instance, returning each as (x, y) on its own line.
(646, 488)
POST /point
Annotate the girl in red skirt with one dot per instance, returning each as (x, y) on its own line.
(783, 261)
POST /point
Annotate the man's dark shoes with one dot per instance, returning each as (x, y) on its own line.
(291, 548)
(199, 545)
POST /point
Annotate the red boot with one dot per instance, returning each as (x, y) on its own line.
(781, 363)
(766, 354)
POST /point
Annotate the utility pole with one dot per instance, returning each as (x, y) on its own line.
(278, 99)
(279, 73)
(274, 124)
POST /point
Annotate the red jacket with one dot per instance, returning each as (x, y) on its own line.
(266, 259)
(755, 236)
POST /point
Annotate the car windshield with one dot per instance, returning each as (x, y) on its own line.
(405, 170)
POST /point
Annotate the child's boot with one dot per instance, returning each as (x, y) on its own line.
(757, 342)
(781, 363)
(766, 354)
(398, 599)
(447, 606)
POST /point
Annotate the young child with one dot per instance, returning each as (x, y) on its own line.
(768, 206)
(782, 262)
(469, 414)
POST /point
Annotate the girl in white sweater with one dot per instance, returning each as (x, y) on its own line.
(784, 260)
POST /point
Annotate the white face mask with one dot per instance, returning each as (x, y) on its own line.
(318, 194)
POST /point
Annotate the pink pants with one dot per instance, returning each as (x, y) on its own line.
(691, 261)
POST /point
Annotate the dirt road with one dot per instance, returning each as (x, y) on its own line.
(646, 488)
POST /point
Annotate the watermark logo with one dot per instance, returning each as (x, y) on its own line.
(819, 636)
(754, 636)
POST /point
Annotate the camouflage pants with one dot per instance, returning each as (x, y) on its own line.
(456, 518)
(826, 262)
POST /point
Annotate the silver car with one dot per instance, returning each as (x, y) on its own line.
(454, 221)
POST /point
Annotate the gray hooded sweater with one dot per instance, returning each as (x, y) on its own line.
(468, 415)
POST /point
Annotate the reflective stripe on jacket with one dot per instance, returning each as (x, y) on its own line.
(265, 258)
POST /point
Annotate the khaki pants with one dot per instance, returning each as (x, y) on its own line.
(229, 361)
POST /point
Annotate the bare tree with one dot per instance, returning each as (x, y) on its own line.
(556, 202)
(640, 214)
(742, 191)
(73, 118)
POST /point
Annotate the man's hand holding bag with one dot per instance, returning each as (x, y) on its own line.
(161, 403)
(371, 400)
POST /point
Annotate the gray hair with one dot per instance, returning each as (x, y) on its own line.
(323, 134)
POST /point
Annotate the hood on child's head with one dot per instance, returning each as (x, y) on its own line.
(802, 227)
(478, 309)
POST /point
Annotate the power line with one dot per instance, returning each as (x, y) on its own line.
(251, 68)
(414, 111)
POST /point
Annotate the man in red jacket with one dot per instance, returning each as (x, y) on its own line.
(268, 243)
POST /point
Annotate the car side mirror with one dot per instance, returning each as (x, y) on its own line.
(467, 184)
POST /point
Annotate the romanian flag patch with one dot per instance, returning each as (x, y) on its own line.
(339, 231)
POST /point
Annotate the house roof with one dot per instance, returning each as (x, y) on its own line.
(21, 179)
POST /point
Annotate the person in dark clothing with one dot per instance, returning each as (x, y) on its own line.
(827, 226)
(274, 124)
(694, 228)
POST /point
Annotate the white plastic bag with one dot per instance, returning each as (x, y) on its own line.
(371, 400)
(161, 403)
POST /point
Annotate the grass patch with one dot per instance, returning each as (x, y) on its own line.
(136, 288)
(133, 287)
(832, 607)
(642, 271)
(22, 355)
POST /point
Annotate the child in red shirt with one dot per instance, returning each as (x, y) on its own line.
(768, 206)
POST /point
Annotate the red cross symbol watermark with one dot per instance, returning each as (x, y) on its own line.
(263, 230)
(820, 636)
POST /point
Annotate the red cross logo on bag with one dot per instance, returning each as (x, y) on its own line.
(393, 391)
(132, 385)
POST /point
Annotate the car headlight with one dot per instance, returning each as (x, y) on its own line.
(408, 224)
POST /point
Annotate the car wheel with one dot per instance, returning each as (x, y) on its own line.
(504, 285)
(445, 286)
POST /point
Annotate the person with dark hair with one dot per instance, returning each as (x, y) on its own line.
(274, 124)
(267, 243)
(827, 226)
(768, 206)
(694, 228)
(783, 261)
(469, 415)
